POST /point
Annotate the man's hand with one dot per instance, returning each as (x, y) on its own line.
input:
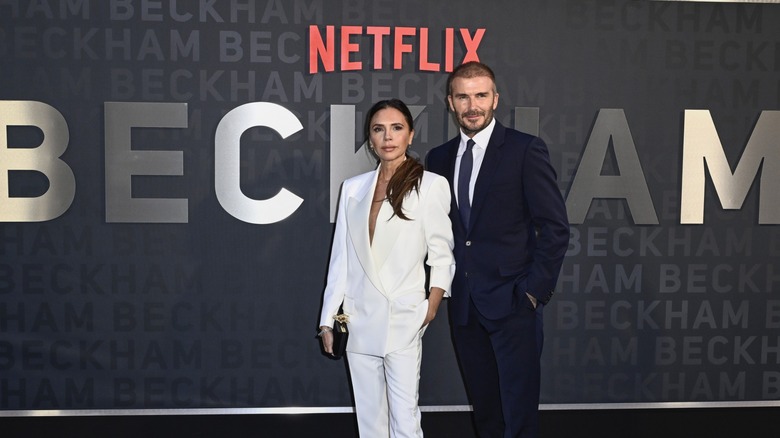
(532, 298)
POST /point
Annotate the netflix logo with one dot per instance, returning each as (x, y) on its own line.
(339, 43)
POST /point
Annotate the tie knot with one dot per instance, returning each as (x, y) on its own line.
(469, 144)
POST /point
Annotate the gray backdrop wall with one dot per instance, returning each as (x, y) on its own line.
(169, 170)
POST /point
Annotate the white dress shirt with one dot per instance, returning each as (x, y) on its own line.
(481, 140)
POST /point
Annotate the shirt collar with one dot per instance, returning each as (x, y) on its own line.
(481, 138)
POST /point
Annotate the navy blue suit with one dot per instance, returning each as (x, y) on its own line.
(515, 244)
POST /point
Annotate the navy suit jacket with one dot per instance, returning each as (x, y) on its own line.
(519, 230)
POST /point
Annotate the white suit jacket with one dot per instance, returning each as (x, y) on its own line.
(382, 285)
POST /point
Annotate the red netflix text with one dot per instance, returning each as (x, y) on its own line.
(323, 49)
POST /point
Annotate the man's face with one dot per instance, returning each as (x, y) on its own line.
(473, 101)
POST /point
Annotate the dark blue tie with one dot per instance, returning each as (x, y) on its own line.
(464, 177)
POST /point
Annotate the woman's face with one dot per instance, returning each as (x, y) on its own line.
(390, 135)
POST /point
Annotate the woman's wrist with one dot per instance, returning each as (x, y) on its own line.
(324, 329)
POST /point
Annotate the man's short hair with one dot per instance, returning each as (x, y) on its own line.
(471, 69)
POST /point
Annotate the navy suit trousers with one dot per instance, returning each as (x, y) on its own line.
(500, 360)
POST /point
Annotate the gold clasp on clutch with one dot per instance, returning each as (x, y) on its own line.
(342, 319)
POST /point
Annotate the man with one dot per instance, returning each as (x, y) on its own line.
(511, 234)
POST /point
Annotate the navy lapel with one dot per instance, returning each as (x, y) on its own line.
(452, 156)
(488, 170)
(453, 146)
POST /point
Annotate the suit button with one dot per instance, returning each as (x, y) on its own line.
(468, 243)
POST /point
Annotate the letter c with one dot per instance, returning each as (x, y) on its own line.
(227, 163)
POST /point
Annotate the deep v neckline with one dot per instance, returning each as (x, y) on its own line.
(377, 198)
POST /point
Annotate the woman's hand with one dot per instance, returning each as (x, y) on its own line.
(434, 299)
(326, 335)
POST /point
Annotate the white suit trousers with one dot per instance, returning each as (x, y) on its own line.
(387, 391)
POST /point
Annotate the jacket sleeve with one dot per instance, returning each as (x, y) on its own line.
(438, 234)
(548, 215)
(337, 268)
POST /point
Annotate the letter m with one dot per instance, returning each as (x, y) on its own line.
(701, 145)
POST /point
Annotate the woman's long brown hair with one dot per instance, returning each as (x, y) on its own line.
(409, 174)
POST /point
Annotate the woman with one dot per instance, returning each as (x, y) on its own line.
(388, 221)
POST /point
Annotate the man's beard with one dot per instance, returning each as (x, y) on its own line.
(467, 129)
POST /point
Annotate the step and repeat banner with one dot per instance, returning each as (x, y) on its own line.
(169, 172)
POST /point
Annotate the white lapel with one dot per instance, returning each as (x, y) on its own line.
(358, 209)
